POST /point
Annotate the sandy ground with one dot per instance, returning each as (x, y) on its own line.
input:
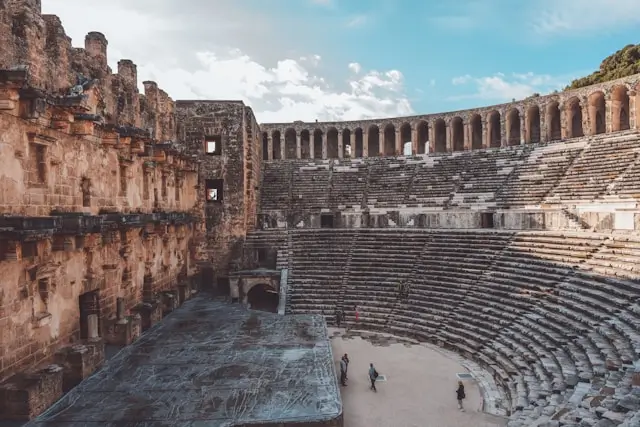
(419, 390)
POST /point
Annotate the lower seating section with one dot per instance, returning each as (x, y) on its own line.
(554, 316)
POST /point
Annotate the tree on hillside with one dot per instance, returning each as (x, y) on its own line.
(623, 63)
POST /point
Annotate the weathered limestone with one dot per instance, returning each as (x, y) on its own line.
(603, 108)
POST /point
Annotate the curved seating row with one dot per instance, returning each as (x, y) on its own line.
(554, 316)
(584, 169)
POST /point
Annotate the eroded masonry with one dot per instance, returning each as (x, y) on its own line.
(510, 235)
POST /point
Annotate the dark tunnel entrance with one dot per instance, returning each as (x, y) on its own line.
(264, 298)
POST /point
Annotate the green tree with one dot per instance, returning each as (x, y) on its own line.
(623, 63)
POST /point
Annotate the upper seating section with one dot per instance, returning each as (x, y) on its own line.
(552, 315)
(586, 169)
(602, 108)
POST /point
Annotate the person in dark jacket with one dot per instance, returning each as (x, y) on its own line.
(338, 318)
(343, 372)
(373, 375)
(346, 361)
(460, 395)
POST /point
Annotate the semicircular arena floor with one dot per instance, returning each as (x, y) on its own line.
(418, 389)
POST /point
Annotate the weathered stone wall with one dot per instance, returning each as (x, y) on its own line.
(606, 107)
(237, 164)
(39, 42)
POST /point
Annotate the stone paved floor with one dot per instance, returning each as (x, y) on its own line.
(420, 386)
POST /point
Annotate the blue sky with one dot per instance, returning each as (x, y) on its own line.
(351, 59)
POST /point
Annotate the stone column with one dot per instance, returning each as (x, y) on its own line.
(270, 147)
(381, 143)
(503, 130)
(365, 143)
(340, 145)
(466, 126)
(485, 134)
(564, 128)
(353, 143)
(312, 145)
(523, 129)
(414, 140)
(608, 112)
(399, 143)
(324, 145)
(92, 327)
(283, 147)
(448, 131)
(432, 139)
(542, 112)
(120, 311)
(298, 147)
(634, 116)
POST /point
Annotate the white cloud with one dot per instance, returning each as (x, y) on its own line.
(502, 88)
(283, 87)
(579, 16)
(357, 21)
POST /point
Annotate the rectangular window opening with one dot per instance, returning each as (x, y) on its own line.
(326, 220)
(214, 189)
(213, 145)
(487, 220)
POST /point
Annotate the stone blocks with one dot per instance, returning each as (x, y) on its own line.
(26, 395)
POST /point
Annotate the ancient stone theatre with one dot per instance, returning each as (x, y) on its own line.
(175, 263)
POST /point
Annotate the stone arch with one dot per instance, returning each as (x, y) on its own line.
(457, 133)
(389, 138)
(290, 145)
(423, 137)
(275, 137)
(552, 119)
(597, 113)
(347, 149)
(317, 144)
(532, 128)
(513, 127)
(494, 131)
(305, 144)
(405, 136)
(475, 130)
(440, 136)
(262, 296)
(373, 142)
(573, 111)
(332, 143)
(620, 109)
(265, 146)
(358, 150)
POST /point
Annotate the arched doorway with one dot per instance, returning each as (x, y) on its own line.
(263, 297)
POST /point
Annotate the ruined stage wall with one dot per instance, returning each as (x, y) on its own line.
(234, 168)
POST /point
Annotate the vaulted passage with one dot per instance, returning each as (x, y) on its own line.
(494, 132)
(347, 149)
(374, 141)
(476, 132)
(265, 146)
(554, 129)
(533, 124)
(620, 109)
(290, 144)
(317, 144)
(513, 127)
(596, 113)
(457, 134)
(405, 136)
(305, 144)
(574, 118)
(359, 148)
(263, 297)
(275, 136)
(423, 137)
(389, 140)
(332, 143)
(440, 136)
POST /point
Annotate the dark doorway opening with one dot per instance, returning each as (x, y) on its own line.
(223, 287)
(326, 221)
(89, 315)
(264, 298)
(487, 220)
(206, 279)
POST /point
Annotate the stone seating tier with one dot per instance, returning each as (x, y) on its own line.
(555, 317)
(586, 169)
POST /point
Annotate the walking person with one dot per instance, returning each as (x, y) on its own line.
(460, 395)
(345, 358)
(373, 375)
(343, 372)
(338, 317)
